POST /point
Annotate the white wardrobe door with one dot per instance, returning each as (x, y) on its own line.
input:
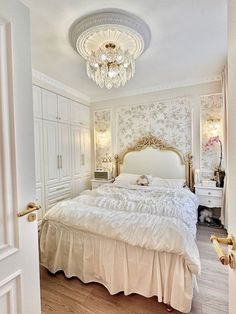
(75, 113)
(37, 102)
(84, 115)
(49, 101)
(38, 148)
(64, 151)
(76, 151)
(80, 114)
(51, 152)
(64, 109)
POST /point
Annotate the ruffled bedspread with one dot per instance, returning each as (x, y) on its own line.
(154, 218)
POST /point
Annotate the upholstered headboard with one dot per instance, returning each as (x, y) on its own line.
(149, 155)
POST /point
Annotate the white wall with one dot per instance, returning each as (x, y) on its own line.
(192, 92)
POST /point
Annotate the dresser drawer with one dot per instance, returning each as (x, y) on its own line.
(209, 192)
(210, 201)
(53, 201)
(55, 194)
(58, 189)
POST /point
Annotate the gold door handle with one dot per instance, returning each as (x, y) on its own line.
(230, 240)
(31, 207)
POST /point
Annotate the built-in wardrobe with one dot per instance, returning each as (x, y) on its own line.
(62, 148)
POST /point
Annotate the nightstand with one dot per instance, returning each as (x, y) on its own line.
(211, 197)
(95, 183)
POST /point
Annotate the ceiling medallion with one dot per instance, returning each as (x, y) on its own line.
(110, 41)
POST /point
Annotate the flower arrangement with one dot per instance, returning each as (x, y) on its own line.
(219, 174)
(211, 143)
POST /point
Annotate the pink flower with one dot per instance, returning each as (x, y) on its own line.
(211, 142)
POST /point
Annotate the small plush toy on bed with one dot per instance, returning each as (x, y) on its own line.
(143, 180)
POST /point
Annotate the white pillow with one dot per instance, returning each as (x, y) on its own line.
(167, 183)
(127, 178)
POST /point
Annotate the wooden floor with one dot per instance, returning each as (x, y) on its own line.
(61, 295)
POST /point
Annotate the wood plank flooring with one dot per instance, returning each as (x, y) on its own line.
(64, 296)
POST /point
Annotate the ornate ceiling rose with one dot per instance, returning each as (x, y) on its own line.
(110, 41)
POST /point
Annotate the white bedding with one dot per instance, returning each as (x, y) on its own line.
(160, 219)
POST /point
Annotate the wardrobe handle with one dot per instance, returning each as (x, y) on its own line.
(60, 161)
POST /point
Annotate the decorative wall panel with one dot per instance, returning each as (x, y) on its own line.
(10, 291)
(102, 137)
(211, 110)
(8, 229)
(168, 120)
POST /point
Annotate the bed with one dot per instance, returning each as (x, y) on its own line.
(130, 238)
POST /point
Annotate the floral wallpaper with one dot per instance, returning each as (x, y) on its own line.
(169, 120)
(102, 137)
(211, 110)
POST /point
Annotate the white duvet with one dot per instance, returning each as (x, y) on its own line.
(154, 218)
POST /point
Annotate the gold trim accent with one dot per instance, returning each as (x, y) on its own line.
(151, 141)
(224, 258)
(31, 207)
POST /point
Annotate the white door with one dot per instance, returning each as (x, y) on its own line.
(231, 144)
(64, 109)
(49, 101)
(75, 113)
(80, 114)
(84, 115)
(19, 260)
(64, 151)
(51, 152)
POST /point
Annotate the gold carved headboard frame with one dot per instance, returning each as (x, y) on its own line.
(151, 141)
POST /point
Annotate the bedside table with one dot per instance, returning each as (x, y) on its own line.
(95, 183)
(211, 197)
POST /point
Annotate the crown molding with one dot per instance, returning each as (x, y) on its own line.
(48, 82)
(158, 88)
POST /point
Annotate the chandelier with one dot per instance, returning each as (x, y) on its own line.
(110, 66)
(110, 42)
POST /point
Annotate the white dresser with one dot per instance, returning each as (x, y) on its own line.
(209, 196)
(213, 198)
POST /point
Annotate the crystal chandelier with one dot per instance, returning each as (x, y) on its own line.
(110, 66)
(110, 41)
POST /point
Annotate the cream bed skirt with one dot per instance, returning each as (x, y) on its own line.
(117, 265)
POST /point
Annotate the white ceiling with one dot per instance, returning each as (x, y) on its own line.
(188, 44)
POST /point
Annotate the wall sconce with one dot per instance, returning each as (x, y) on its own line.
(214, 126)
(102, 138)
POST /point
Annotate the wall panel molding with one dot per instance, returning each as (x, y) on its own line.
(8, 200)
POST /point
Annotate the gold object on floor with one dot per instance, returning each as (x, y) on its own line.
(226, 259)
